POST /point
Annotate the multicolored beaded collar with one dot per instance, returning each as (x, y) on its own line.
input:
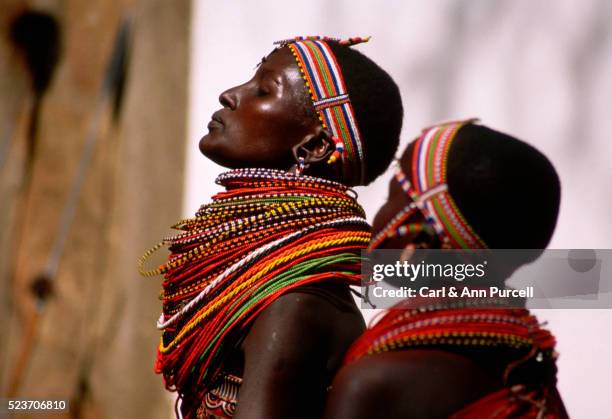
(429, 192)
(330, 98)
(269, 232)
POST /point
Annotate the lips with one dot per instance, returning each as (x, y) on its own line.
(217, 118)
(215, 121)
(214, 124)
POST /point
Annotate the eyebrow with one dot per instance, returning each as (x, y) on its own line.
(263, 60)
(271, 74)
(264, 70)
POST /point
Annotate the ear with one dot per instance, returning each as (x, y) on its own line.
(315, 147)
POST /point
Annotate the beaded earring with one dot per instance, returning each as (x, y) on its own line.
(330, 98)
(338, 152)
(301, 165)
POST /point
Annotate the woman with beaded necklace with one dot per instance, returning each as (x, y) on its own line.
(458, 186)
(256, 288)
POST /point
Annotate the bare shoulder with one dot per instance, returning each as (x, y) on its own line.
(290, 353)
(414, 383)
(302, 318)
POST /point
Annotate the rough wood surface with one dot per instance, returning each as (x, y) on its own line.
(97, 338)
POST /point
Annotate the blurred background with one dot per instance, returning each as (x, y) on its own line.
(103, 103)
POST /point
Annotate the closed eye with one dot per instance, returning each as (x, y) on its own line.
(267, 81)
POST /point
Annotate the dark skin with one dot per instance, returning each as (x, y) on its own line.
(425, 383)
(295, 346)
(268, 122)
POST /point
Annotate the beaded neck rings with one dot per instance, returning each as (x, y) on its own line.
(429, 192)
(403, 328)
(330, 99)
(270, 231)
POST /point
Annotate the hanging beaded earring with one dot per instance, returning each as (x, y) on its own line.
(301, 165)
(338, 152)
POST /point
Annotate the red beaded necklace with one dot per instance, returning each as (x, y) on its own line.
(269, 232)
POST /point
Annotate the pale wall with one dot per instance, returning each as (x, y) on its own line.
(539, 70)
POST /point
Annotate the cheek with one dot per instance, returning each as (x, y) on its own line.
(267, 120)
(278, 131)
(266, 108)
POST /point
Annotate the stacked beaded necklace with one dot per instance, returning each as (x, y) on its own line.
(458, 324)
(269, 232)
(454, 327)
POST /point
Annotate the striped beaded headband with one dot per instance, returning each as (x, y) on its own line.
(429, 193)
(330, 98)
(429, 160)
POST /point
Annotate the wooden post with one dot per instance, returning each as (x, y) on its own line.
(96, 340)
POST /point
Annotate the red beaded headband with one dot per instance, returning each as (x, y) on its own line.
(429, 191)
(330, 98)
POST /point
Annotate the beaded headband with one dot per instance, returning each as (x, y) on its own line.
(429, 193)
(330, 98)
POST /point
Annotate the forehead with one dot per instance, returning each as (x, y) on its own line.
(282, 62)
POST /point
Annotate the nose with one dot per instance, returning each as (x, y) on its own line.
(229, 98)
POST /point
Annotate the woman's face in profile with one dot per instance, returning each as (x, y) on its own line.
(262, 119)
(397, 200)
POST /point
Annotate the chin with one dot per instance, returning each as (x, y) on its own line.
(211, 145)
(212, 148)
(204, 144)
